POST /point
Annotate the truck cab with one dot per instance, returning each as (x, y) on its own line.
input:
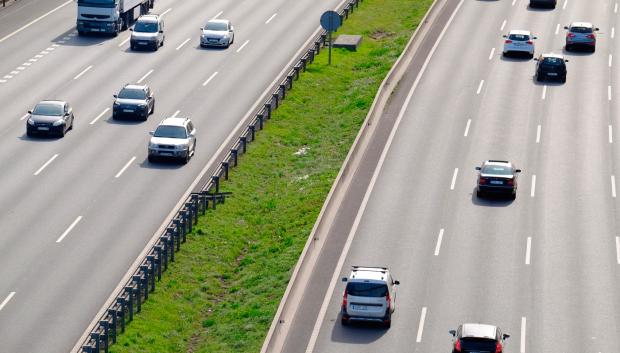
(109, 16)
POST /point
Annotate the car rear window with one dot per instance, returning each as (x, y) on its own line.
(480, 345)
(521, 37)
(496, 169)
(581, 29)
(361, 289)
(550, 61)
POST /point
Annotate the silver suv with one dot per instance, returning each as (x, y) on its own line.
(174, 138)
(369, 296)
(148, 32)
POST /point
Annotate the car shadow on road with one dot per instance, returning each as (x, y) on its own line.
(198, 47)
(576, 52)
(163, 164)
(516, 58)
(71, 38)
(129, 122)
(39, 138)
(490, 201)
(539, 9)
(357, 333)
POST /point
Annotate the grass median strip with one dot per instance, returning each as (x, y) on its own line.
(225, 286)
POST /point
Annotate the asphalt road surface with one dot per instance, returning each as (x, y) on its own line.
(77, 211)
(545, 267)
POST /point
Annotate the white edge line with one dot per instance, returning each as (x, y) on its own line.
(35, 21)
(418, 337)
(77, 220)
(120, 172)
(146, 75)
(528, 250)
(321, 315)
(99, 116)
(210, 78)
(243, 45)
(46, 164)
(83, 72)
(6, 300)
(523, 331)
(439, 239)
(271, 18)
(533, 191)
(182, 44)
(467, 128)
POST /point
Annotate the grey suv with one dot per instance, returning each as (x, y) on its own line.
(369, 296)
(133, 101)
(174, 138)
(148, 32)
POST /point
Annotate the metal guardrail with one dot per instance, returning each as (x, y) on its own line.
(128, 301)
(4, 2)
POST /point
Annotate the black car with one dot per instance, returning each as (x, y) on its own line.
(134, 101)
(497, 178)
(478, 338)
(551, 67)
(50, 117)
(543, 3)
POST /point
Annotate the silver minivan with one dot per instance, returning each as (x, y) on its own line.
(147, 33)
(369, 296)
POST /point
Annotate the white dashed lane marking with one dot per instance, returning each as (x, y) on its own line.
(538, 130)
(99, 116)
(421, 326)
(492, 52)
(145, 76)
(613, 186)
(480, 87)
(243, 45)
(271, 18)
(83, 72)
(544, 92)
(77, 220)
(533, 190)
(182, 44)
(439, 239)
(120, 172)
(209, 79)
(456, 173)
(528, 250)
(467, 127)
(46, 164)
(6, 300)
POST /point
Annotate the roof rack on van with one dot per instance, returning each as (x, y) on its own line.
(497, 161)
(369, 268)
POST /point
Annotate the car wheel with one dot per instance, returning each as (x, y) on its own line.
(593, 49)
(80, 33)
(563, 79)
(71, 126)
(344, 321)
(132, 47)
(151, 159)
(568, 47)
(513, 196)
(539, 78)
(29, 134)
(61, 133)
(153, 109)
(387, 324)
(479, 194)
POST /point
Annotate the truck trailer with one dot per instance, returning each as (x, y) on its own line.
(109, 16)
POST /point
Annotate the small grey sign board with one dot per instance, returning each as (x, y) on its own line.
(347, 41)
(330, 21)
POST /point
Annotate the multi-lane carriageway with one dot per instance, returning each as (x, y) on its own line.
(545, 267)
(76, 212)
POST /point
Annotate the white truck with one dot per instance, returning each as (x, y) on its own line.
(109, 16)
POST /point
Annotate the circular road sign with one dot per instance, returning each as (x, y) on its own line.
(330, 21)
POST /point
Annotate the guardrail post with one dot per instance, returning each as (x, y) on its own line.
(311, 53)
(244, 148)
(138, 292)
(275, 97)
(346, 11)
(122, 312)
(145, 280)
(289, 80)
(95, 336)
(283, 90)
(304, 63)
(129, 290)
(234, 153)
(195, 206)
(216, 181)
(297, 69)
(324, 38)
(165, 241)
(317, 46)
(113, 312)
(104, 336)
(252, 132)
(225, 166)
(158, 251)
(260, 118)
(177, 233)
(341, 18)
(268, 109)
(151, 261)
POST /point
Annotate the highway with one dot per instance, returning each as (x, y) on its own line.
(77, 211)
(545, 267)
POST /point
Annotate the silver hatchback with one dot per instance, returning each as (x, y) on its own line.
(581, 35)
(519, 41)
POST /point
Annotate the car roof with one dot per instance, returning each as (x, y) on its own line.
(174, 121)
(581, 24)
(520, 31)
(148, 18)
(362, 273)
(497, 162)
(553, 55)
(478, 331)
(219, 21)
(133, 86)
(52, 101)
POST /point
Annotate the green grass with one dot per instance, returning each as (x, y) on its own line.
(223, 291)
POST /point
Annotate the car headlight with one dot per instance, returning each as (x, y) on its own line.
(30, 121)
(58, 122)
(142, 105)
(116, 104)
(181, 147)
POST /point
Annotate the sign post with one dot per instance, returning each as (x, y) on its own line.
(330, 21)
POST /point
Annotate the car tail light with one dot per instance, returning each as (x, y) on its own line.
(457, 345)
(507, 41)
(482, 180)
(510, 182)
(570, 35)
(498, 348)
(344, 299)
(389, 301)
(591, 36)
(530, 42)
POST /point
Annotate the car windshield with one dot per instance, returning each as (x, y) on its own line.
(147, 27)
(521, 37)
(48, 109)
(496, 169)
(551, 61)
(581, 29)
(177, 132)
(129, 93)
(216, 26)
(361, 289)
(478, 345)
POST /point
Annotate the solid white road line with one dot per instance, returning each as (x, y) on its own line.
(182, 44)
(24, 116)
(421, 326)
(528, 250)
(544, 92)
(533, 191)
(6, 300)
(83, 72)
(124, 41)
(216, 16)
(358, 218)
(165, 12)
(557, 28)
(456, 172)
(610, 60)
(608, 92)
(145, 76)
(209, 79)
(99, 116)
(439, 239)
(120, 172)
(523, 329)
(467, 127)
(538, 129)
(565, 3)
(243, 45)
(492, 52)
(46, 164)
(611, 134)
(613, 186)
(35, 21)
(176, 113)
(503, 25)
(77, 220)
(271, 18)
(480, 86)
(618, 249)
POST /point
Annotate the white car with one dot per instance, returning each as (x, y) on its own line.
(217, 33)
(148, 32)
(174, 138)
(519, 41)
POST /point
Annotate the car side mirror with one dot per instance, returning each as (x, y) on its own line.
(344, 279)
(453, 333)
(115, 96)
(151, 133)
(518, 171)
(396, 282)
(534, 37)
(202, 28)
(565, 60)
(596, 29)
(30, 112)
(565, 27)
(131, 29)
(504, 36)
(535, 59)
(478, 168)
(505, 336)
